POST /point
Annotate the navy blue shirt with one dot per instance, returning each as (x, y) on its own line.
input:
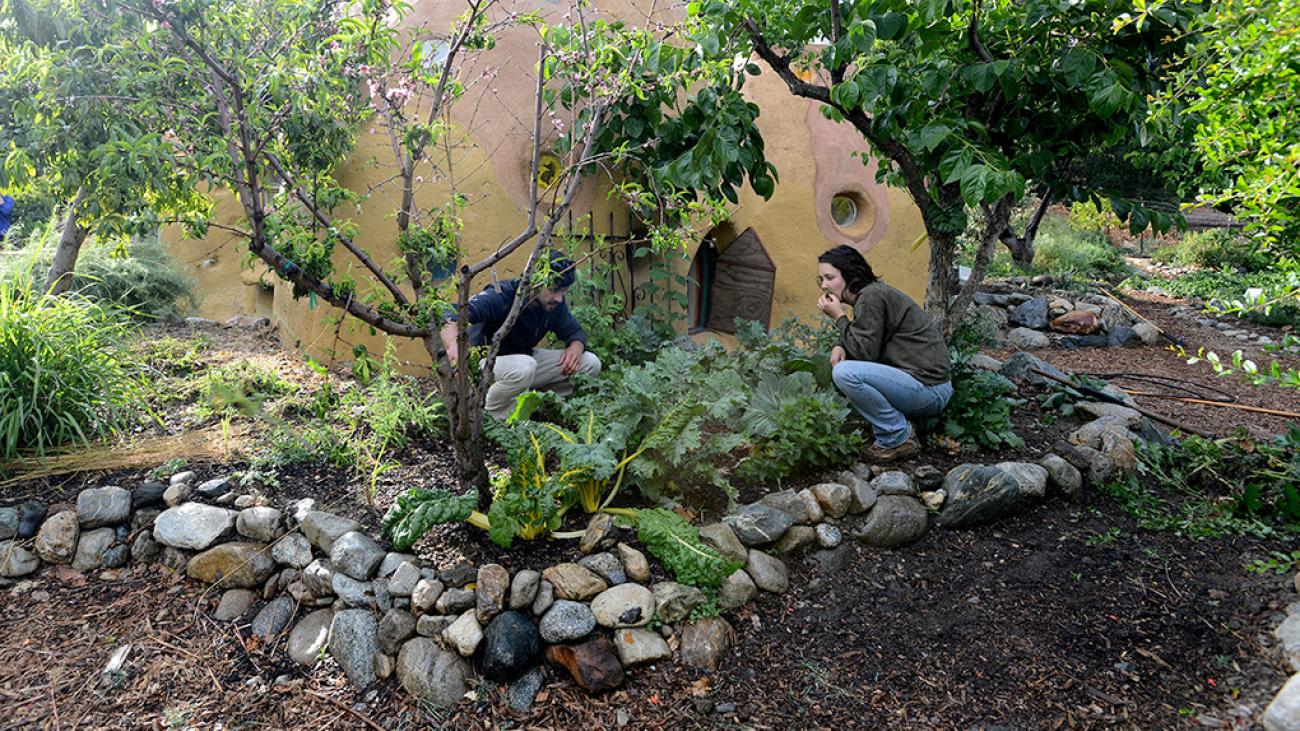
(488, 310)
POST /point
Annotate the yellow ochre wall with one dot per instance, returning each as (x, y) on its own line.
(815, 159)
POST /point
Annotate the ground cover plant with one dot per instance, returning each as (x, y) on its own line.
(1068, 253)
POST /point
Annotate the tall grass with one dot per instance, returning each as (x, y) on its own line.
(64, 377)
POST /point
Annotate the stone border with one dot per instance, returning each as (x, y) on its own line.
(1283, 713)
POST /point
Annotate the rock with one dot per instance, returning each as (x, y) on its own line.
(292, 550)
(769, 573)
(760, 524)
(1062, 477)
(593, 665)
(403, 580)
(91, 547)
(674, 601)
(384, 666)
(56, 541)
(232, 565)
(102, 506)
(16, 561)
(31, 515)
(260, 524)
(145, 549)
(1288, 636)
(625, 605)
(986, 363)
(303, 508)
(432, 674)
(353, 643)
(274, 618)
(143, 519)
(828, 536)
(425, 595)
(318, 577)
(174, 558)
(522, 692)
(356, 554)
(928, 477)
(1123, 336)
(395, 627)
(862, 496)
(566, 621)
(310, 636)
(601, 534)
(193, 526)
(182, 478)
(977, 494)
(322, 528)
(433, 625)
(896, 520)
(148, 494)
(933, 499)
(1111, 415)
(704, 643)
(635, 564)
(796, 540)
(574, 582)
(813, 508)
(523, 588)
(234, 604)
(1078, 322)
(393, 560)
(455, 601)
(544, 599)
(511, 646)
(351, 592)
(639, 647)
(737, 590)
(722, 539)
(493, 583)
(458, 576)
(830, 561)
(215, 488)
(1094, 465)
(116, 556)
(177, 494)
(1149, 334)
(1283, 714)
(605, 565)
(1031, 314)
(894, 483)
(1023, 365)
(833, 498)
(1032, 477)
(790, 503)
(1025, 339)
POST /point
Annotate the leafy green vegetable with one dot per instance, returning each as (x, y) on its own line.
(418, 510)
(677, 544)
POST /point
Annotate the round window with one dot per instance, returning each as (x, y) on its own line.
(844, 211)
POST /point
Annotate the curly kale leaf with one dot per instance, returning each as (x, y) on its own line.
(417, 510)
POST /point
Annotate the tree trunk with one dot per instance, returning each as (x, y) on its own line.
(995, 221)
(59, 279)
(939, 287)
(1022, 247)
(465, 421)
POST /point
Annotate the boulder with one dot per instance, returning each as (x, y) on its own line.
(796, 540)
(395, 627)
(356, 554)
(1149, 334)
(674, 601)
(894, 483)
(833, 498)
(1023, 365)
(234, 604)
(455, 601)
(511, 645)
(977, 494)
(425, 595)
(214, 488)
(322, 528)
(635, 564)
(601, 534)
(292, 550)
(102, 506)
(1062, 477)
(544, 599)
(1032, 314)
(566, 621)
(274, 618)
(737, 590)
(1025, 339)
(574, 582)
(230, 565)
(896, 520)
(193, 526)
(605, 565)
(793, 505)
(1078, 322)
(351, 592)
(31, 515)
(768, 572)
(722, 539)
(523, 588)
(8, 523)
(828, 536)
(403, 580)
(354, 642)
(1032, 477)
(464, 634)
(492, 585)
(1094, 465)
(145, 549)
(148, 495)
(1283, 714)
(262, 524)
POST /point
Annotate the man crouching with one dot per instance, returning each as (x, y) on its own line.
(520, 364)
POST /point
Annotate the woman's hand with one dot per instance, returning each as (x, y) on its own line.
(838, 355)
(830, 305)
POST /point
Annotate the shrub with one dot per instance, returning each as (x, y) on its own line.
(795, 427)
(1226, 287)
(1215, 249)
(977, 329)
(1066, 252)
(979, 413)
(63, 374)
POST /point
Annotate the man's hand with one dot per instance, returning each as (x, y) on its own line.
(838, 355)
(830, 304)
(572, 357)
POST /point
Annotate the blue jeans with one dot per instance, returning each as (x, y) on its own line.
(887, 396)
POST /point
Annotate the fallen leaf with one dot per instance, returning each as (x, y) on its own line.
(700, 687)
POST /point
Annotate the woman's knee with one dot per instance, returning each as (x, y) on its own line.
(842, 374)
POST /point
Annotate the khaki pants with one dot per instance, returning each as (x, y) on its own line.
(515, 374)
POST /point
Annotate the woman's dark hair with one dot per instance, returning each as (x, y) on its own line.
(855, 269)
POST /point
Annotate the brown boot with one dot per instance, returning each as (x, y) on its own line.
(877, 453)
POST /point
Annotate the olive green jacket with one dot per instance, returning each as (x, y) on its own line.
(889, 328)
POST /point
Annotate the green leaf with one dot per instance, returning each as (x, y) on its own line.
(677, 544)
(417, 510)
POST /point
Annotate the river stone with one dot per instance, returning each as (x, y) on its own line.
(1283, 714)
(177, 494)
(193, 526)
(1101, 409)
(456, 577)
(704, 643)
(862, 496)
(674, 601)
(395, 627)
(640, 646)
(455, 601)
(116, 556)
(737, 590)
(292, 550)
(322, 528)
(769, 573)
(352, 593)
(425, 595)
(260, 524)
(593, 665)
(721, 538)
(464, 634)
(977, 495)
(511, 645)
(148, 494)
(234, 604)
(1062, 477)
(896, 520)
(493, 583)
(8, 523)
(31, 514)
(1032, 314)
(403, 580)
(100, 506)
(91, 547)
(606, 566)
(566, 621)
(356, 554)
(625, 605)
(174, 558)
(433, 625)
(145, 549)
(829, 536)
(274, 618)
(894, 483)
(56, 541)
(523, 589)
(182, 478)
(523, 691)
(392, 560)
(353, 643)
(214, 488)
(431, 673)
(1032, 477)
(790, 503)
(545, 598)
(601, 534)
(16, 561)
(143, 519)
(1095, 466)
(813, 508)
(834, 498)
(318, 577)
(760, 524)
(796, 540)
(635, 564)
(233, 565)
(574, 582)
